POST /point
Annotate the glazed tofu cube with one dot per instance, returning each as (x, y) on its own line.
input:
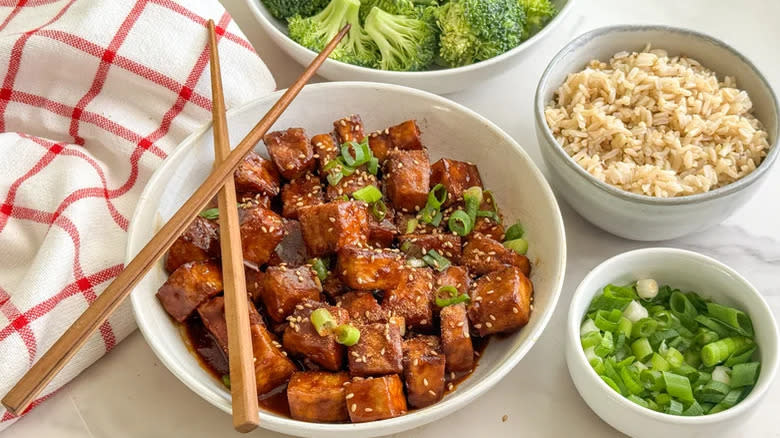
(500, 301)
(255, 174)
(284, 288)
(423, 371)
(407, 179)
(333, 286)
(456, 176)
(380, 145)
(482, 255)
(291, 152)
(490, 228)
(212, 313)
(447, 245)
(188, 286)
(272, 367)
(349, 129)
(402, 222)
(199, 242)
(326, 148)
(350, 184)
(291, 251)
(412, 298)
(332, 226)
(456, 276)
(249, 200)
(378, 351)
(405, 136)
(299, 193)
(381, 234)
(455, 338)
(362, 307)
(261, 230)
(302, 340)
(318, 396)
(369, 269)
(375, 399)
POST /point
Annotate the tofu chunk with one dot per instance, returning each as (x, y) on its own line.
(334, 225)
(349, 129)
(261, 230)
(284, 288)
(326, 148)
(375, 399)
(199, 242)
(381, 234)
(350, 184)
(423, 371)
(490, 228)
(407, 179)
(318, 396)
(302, 340)
(405, 136)
(188, 286)
(500, 301)
(291, 152)
(378, 351)
(380, 145)
(456, 276)
(212, 314)
(369, 269)
(482, 255)
(333, 286)
(272, 367)
(301, 192)
(362, 307)
(412, 298)
(447, 245)
(255, 174)
(254, 284)
(455, 338)
(291, 251)
(456, 177)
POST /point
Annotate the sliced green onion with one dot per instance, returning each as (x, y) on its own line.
(210, 214)
(488, 214)
(379, 210)
(606, 346)
(713, 325)
(368, 194)
(663, 399)
(658, 363)
(653, 380)
(411, 225)
(492, 201)
(449, 295)
(602, 322)
(705, 336)
(674, 357)
(437, 196)
(720, 350)
(678, 386)
(644, 328)
(590, 339)
(694, 410)
(347, 171)
(516, 231)
(624, 326)
(642, 349)
(319, 268)
(347, 334)
(518, 245)
(334, 178)
(587, 327)
(226, 380)
(373, 166)
(683, 309)
(612, 373)
(611, 383)
(735, 319)
(728, 401)
(631, 380)
(744, 374)
(359, 154)
(436, 260)
(460, 223)
(437, 219)
(712, 392)
(322, 321)
(738, 358)
(332, 164)
(414, 262)
(674, 408)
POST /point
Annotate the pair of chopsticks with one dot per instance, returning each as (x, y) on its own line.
(245, 412)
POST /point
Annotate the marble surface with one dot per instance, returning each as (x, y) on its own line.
(130, 394)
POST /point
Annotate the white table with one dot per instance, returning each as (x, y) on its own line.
(130, 394)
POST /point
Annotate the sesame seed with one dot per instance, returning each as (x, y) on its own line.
(431, 392)
(504, 418)
(514, 310)
(488, 324)
(368, 410)
(450, 387)
(425, 382)
(354, 406)
(350, 395)
(492, 317)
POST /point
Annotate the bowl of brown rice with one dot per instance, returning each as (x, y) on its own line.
(655, 132)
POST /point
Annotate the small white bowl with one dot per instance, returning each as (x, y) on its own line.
(631, 215)
(688, 271)
(448, 129)
(441, 81)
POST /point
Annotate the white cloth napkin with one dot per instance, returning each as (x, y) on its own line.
(94, 96)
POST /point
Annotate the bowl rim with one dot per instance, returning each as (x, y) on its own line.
(578, 42)
(574, 322)
(418, 417)
(265, 20)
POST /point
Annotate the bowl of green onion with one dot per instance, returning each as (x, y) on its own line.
(667, 341)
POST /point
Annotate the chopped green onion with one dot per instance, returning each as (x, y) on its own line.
(638, 400)
(653, 380)
(516, 231)
(590, 339)
(460, 223)
(674, 408)
(674, 357)
(713, 325)
(347, 171)
(488, 214)
(436, 260)
(350, 148)
(492, 201)
(705, 336)
(678, 386)
(738, 358)
(379, 210)
(642, 349)
(347, 334)
(728, 401)
(611, 383)
(332, 164)
(368, 194)
(414, 262)
(735, 319)
(322, 321)
(744, 374)
(437, 196)
(644, 328)
(373, 166)
(720, 350)
(607, 345)
(437, 219)
(335, 177)
(624, 326)
(658, 363)
(411, 225)
(693, 410)
(603, 323)
(518, 245)
(631, 380)
(226, 380)
(319, 268)
(712, 392)
(210, 214)
(449, 295)
(587, 327)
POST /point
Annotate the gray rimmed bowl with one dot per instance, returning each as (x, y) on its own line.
(641, 217)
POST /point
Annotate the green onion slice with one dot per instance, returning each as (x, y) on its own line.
(460, 223)
(319, 268)
(437, 196)
(379, 210)
(335, 177)
(347, 334)
(373, 166)
(322, 321)
(411, 225)
(210, 214)
(436, 260)
(516, 231)
(744, 374)
(352, 148)
(368, 194)
(735, 319)
(226, 380)
(449, 295)
(518, 245)
(414, 262)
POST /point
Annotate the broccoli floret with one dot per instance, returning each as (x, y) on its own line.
(537, 14)
(406, 43)
(475, 30)
(284, 9)
(397, 7)
(315, 33)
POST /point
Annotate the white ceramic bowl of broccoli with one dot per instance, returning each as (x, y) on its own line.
(416, 52)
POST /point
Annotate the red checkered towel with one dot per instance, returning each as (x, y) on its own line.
(95, 94)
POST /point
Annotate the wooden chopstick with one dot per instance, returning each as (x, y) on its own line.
(243, 386)
(36, 379)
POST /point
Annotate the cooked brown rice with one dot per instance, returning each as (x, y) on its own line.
(657, 125)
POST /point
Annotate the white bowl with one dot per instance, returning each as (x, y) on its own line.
(631, 215)
(448, 129)
(684, 270)
(446, 80)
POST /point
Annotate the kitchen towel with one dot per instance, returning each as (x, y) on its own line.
(94, 96)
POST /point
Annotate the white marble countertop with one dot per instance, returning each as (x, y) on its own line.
(129, 393)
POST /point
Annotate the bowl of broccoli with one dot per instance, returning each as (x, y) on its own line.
(436, 45)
